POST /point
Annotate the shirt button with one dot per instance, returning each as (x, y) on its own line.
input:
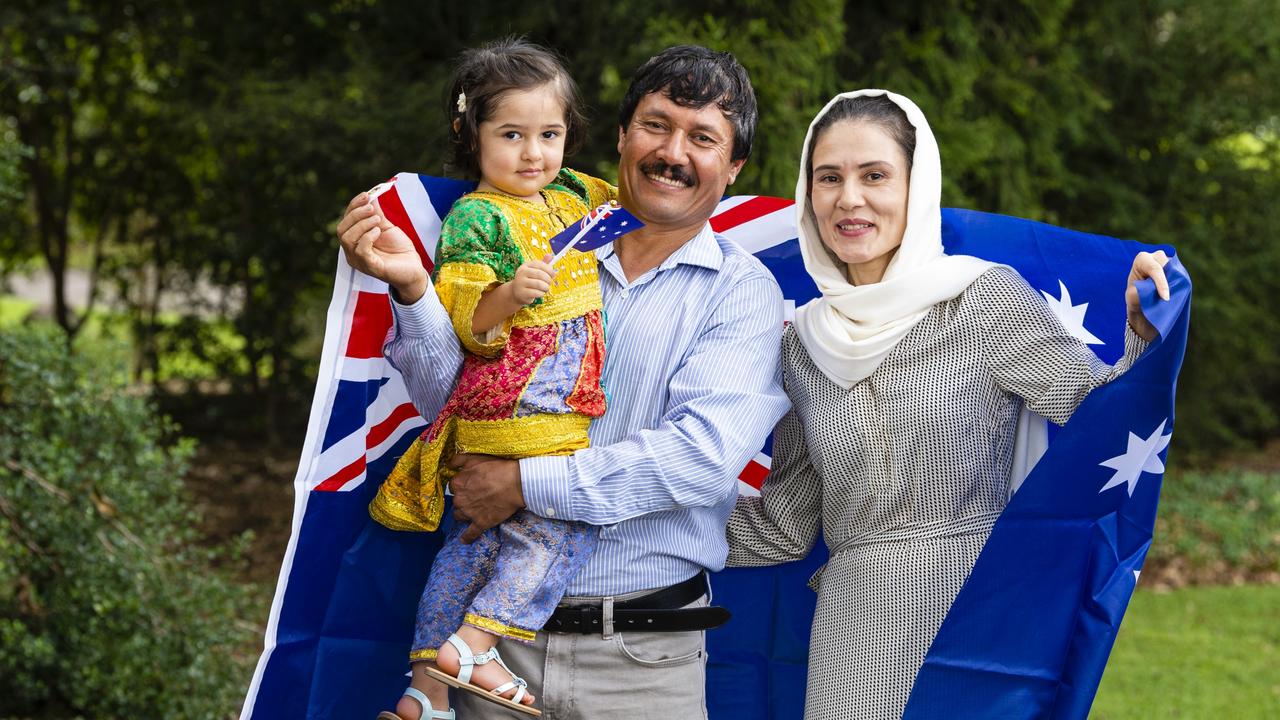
(549, 512)
(625, 293)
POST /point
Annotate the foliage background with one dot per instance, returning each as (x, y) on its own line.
(110, 605)
(172, 147)
(185, 161)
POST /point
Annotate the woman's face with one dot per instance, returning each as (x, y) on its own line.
(858, 191)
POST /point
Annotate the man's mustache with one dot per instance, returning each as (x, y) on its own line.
(674, 172)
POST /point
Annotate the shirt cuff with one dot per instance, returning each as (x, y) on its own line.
(1134, 345)
(545, 483)
(418, 318)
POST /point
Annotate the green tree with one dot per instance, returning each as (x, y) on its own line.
(74, 87)
(1186, 154)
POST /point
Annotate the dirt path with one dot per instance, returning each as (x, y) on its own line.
(241, 488)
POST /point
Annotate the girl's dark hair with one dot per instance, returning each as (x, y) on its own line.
(694, 76)
(878, 109)
(484, 75)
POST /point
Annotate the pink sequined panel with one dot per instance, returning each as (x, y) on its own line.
(489, 388)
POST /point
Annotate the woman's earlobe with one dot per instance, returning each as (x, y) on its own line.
(457, 126)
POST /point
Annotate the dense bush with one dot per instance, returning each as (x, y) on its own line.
(109, 606)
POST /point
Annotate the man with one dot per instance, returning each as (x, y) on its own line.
(694, 328)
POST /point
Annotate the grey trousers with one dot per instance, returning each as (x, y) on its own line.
(609, 676)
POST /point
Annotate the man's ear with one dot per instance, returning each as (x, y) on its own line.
(622, 138)
(735, 167)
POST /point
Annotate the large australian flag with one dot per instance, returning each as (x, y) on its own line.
(1027, 637)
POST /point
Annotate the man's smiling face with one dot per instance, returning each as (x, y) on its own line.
(675, 162)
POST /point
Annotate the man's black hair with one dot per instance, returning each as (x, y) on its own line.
(693, 76)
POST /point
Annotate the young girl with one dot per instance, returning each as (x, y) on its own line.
(530, 383)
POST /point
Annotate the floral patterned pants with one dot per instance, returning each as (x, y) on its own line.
(508, 582)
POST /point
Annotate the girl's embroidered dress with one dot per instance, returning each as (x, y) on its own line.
(530, 386)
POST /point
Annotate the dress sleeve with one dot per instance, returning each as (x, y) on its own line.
(476, 253)
(1031, 355)
(782, 523)
(592, 190)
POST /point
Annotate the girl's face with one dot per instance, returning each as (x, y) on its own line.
(522, 142)
(858, 191)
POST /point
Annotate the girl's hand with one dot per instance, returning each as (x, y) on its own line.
(1145, 266)
(532, 280)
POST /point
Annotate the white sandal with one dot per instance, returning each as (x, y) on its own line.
(467, 660)
(429, 711)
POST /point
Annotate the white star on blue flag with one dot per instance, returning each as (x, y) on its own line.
(1141, 455)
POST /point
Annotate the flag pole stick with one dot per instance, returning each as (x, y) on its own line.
(569, 246)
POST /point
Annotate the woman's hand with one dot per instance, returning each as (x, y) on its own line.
(532, 280)
(381, 250)
(1146, 266)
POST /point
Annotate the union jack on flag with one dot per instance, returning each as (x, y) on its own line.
(1041, 606)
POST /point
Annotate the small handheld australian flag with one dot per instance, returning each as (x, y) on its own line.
(598, 227)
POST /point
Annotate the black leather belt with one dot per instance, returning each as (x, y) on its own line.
(660, 611)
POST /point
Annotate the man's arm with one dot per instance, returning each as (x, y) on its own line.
(724, 400)
(424, 348)
(421, 343)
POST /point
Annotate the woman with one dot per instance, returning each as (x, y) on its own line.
(906, 377)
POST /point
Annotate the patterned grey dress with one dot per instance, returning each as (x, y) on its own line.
(907, 471)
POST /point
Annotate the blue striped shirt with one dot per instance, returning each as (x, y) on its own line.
(692, 373)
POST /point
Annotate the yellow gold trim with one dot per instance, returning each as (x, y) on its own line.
(468, 272)
(562, 304)
(524, 436)
(418, 655)
(459, 286)
(498, 628)
(412, 497)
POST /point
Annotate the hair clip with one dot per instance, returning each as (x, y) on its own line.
(462, 102)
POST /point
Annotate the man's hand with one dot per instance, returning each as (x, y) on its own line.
(486, 491)
(381, 250)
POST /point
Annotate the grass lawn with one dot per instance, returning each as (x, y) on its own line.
(1205, 652)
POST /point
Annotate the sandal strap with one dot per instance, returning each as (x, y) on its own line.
(468, 657)
(519, 684)
(467, 660)
(516, 681)
(428, 710)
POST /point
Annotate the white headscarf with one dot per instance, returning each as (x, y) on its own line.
(850, 329)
